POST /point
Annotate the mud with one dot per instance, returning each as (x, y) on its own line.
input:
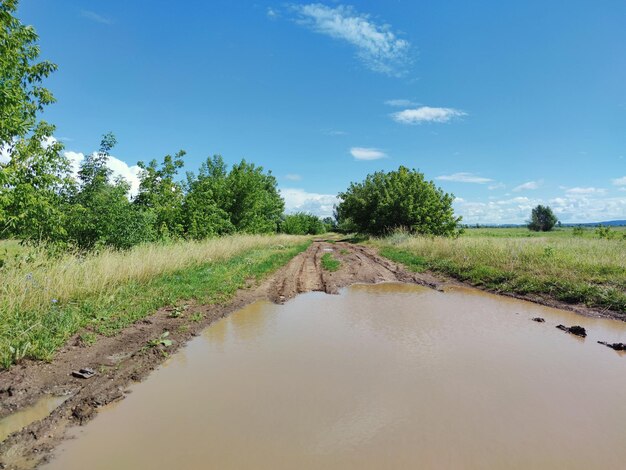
(124, 359)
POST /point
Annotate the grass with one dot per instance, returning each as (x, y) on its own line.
(573, 269)
(45, 301)
(329, 263)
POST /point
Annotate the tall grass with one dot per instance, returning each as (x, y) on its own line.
(45, 299)
(574, 269)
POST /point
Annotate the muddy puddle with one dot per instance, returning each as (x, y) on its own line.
(23, 418)
(384, 376)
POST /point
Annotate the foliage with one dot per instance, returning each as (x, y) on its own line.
(542, 219)
(255, 205)
(99, 213)
(34, 184)
(401, 198)
(302, 223)
(21, 93)
(160, 193)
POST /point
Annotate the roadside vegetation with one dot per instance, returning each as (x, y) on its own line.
(329, 263)
(46, 300)
(573, 266)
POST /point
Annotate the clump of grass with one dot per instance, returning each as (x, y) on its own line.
(569, 268)
(45, 301)
(329, 263)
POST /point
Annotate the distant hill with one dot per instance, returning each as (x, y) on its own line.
(610, 223)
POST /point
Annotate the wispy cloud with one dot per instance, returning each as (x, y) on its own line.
(365, 153)
(400, 103)
(620, 181)
(492, 187)
(377, 46)
(427, 114)
(464, 178)
(92, 15)
(527, 185)
(271, 13)
(334, 133)
(293, 177)
(587, 191)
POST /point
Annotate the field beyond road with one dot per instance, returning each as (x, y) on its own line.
(571, 266)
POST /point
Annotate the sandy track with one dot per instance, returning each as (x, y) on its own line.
(124, 359)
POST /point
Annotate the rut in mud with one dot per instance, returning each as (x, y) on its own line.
(124, 359)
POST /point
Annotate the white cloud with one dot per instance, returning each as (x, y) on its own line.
(300, 200)
(527, 185)
(92, 15)
(569, 209)
(377, 46)
(491, 187)
(620, 181)
(589, 190)
(5, 153)
(120, 168)
(335, 133)
(293, 177)
(400, 103)
(271, 13)
(464, 178)
(364, 153)
(427, 114)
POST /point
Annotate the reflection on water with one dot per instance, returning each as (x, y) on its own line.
(385, 376)
(22, 418)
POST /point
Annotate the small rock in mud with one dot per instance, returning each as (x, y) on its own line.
(575, 330)
(83, 412)
(539, 320)
(84, 373)
(616, 346)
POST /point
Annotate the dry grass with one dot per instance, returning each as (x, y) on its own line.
(40, 293)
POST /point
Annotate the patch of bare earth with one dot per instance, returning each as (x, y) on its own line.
(121, 360)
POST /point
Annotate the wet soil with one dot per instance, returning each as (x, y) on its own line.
(124, 359)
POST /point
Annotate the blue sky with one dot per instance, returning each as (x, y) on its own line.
(505, 104)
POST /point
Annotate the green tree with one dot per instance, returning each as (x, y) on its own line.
(34, 184)
(160, 193)
(255, 205)
(21, 94)
(100, 213)
(207, 196)
(542, 219)
(397, 199)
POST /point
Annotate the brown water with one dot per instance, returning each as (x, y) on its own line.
(385, 376)
(22, 418)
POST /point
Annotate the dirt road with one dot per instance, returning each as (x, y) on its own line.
(124, 359)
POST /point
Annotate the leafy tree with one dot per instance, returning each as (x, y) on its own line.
(207, 196)
(330, 223)
(34, 184)
(160, 193)
(21, 75)
(100, 213)
(542, 219)
(255, 205)
(397, 199)
(302, 223)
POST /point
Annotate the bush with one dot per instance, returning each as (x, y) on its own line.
(302, 223)
(385, 202)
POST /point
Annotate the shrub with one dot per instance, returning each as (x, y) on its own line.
(542, 219)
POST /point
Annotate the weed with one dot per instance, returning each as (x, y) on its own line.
(88, 338)
(329, 263)
(160, 341)
(196, 317)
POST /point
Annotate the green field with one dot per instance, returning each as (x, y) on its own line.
(573, 268)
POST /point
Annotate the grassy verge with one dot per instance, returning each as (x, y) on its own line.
(569, 269)
(329, 263)
(45, 301)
